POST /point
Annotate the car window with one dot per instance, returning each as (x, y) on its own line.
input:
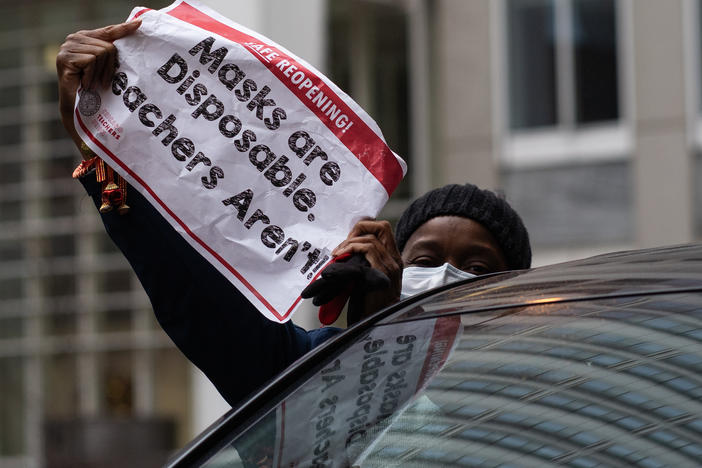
(645, 272)
(607, 382)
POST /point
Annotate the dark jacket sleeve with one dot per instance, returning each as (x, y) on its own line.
(209, 320)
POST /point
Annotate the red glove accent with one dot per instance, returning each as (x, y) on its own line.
(329, 312)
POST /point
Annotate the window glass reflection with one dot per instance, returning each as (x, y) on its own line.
(531, 388)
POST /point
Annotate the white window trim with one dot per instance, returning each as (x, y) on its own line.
(556, 146)
(692, 39)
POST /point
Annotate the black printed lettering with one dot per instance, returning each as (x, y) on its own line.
(207, 56)
(240, 203)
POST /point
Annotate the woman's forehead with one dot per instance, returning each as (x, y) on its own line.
(452, 232)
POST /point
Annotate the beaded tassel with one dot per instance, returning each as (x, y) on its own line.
(123, 208)
(114, 187)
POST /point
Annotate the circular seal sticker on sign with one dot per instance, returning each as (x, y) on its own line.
(89, 102)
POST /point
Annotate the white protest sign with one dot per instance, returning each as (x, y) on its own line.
(258, 160)
(348, 405)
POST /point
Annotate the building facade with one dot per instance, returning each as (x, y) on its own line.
(585, 114)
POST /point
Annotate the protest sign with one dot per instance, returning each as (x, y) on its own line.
(259, 161)
(346, 407)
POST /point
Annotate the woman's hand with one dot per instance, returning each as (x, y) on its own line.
(375, 240)
(87, 58)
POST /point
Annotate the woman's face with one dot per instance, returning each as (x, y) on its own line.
(462, 242)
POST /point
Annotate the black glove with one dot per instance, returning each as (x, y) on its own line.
(346, 276)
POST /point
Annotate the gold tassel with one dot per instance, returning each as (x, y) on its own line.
(114, 187)
(123, 208)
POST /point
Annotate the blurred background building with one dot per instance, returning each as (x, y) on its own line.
(584, 113)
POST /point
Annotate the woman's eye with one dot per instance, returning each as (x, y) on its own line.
(425, 262)
(477, 269)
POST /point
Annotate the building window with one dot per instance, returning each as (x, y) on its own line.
(367, 57)
(532, 68)
(695, 114)
(52, 293)
(564, 71)
(562, 63)
(12, 422)
(697, 60)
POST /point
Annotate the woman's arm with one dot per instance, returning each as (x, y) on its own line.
(209, 320)
(205, 315)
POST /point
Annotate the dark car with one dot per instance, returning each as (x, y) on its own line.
(589, 363)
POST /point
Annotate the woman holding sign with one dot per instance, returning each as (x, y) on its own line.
(448, 234)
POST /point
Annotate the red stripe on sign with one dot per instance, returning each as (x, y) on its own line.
(182, 224)
(439, 349)
(358, 137)
(281, 444)
(140, 12)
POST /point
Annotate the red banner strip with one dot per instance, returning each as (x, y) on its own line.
(439, 350)
(363, 142)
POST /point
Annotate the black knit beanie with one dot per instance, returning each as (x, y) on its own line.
(468, 201)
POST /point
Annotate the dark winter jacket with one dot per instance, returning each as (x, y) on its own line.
(209, 320)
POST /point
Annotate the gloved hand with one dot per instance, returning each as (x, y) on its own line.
(349, 274)
(347, 270)
(372, 275)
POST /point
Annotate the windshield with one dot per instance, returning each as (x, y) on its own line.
(608, 382)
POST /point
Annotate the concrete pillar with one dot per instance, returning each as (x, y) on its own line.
(662, 166)
(463, 87)
(207, 404)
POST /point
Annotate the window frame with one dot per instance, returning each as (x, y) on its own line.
(565, 142)
(692, 37)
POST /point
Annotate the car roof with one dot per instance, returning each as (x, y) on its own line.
(649, 271)
(656, 271)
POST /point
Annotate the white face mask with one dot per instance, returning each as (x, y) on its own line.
(419, 279)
